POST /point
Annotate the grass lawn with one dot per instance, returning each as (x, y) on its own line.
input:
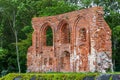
(48, 76)
(53, 76)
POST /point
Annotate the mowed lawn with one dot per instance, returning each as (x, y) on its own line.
(60, 76)
(48, 76)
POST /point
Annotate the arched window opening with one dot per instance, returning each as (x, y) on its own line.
(65, 31)
(49, 36)
(82, 34)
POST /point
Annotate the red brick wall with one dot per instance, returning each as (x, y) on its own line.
(89, 36)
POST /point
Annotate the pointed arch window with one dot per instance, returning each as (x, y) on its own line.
(49, 36)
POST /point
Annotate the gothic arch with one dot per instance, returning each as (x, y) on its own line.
(79, 17)
(64, 31)
(61, 23)
(44, 25)
(75, 26)
(82, 31)
(44, 34)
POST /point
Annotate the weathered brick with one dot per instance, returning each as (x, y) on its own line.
(81, 42)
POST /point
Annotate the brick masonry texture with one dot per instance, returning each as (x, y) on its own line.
(81, 43)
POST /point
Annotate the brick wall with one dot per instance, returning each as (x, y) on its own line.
(81, 43)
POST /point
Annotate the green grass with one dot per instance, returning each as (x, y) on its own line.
(54, 76)
(49, 76)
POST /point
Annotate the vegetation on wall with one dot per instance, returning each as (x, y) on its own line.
(15, 23)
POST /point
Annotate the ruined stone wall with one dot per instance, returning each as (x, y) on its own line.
(81, 42)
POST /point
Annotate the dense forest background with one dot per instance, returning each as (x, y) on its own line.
(16, 29)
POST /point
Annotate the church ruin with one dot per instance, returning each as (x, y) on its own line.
(78, 41)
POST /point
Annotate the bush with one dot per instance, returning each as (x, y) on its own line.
(50, 76)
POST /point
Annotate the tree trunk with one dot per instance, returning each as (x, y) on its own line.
(16, 39)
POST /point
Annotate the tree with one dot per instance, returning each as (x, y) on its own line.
(12, 10)
(53, 7)
(116, 47)
(1, 35)
(113, 20)
(3, 54)
(15, 16)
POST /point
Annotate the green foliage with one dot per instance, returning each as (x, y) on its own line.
(17, 15)
(116, 32)
(116, 47)
(49, 37)
(3, 54)
(52, 76)
(110, 78)
(53, 7)
(113, 19)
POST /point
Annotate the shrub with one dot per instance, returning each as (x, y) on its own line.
(49, 76)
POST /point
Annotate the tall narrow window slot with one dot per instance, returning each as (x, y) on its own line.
(49, 36)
